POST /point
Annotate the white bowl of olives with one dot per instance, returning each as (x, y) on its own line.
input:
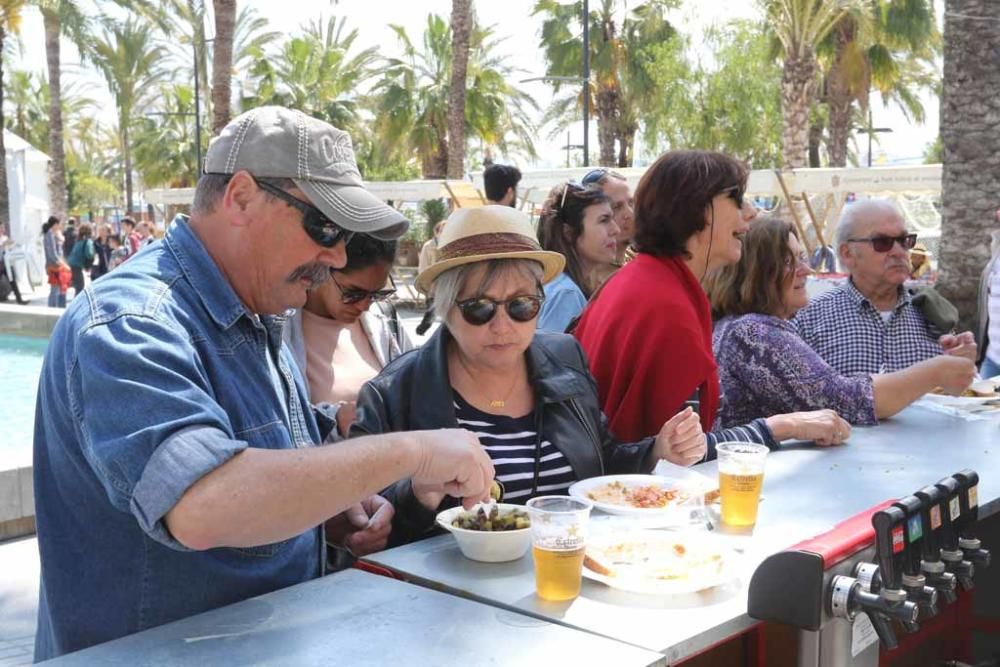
(489, 533)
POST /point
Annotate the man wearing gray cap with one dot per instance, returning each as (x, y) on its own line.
(175, 466)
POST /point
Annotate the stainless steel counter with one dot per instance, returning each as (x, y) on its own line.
(807, 490)
(355, 618)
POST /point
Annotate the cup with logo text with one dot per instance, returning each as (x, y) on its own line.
(558, 539)
(741, 476)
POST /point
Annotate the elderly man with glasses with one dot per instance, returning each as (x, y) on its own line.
(872, 323)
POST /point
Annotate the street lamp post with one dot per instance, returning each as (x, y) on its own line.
(869, 130)
(586, 83)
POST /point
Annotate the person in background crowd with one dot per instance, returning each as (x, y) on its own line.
(615, 186)
(118, 253)
(577, 223)
(428, 255)
(56, 268)
(346, 333)
(81, 257)
(500, 182)
(69, 236)
(132, 239)
(7, 272)
(765, 368)
(145, 231)
(648, 333)
(988, 328)
(870, 324)
(526, 394)
(204, 484)
(103, 249)
(920, 263)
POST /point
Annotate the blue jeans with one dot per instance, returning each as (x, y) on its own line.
(989, 368)
(57, 298)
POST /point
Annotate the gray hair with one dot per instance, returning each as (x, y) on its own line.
(211, 188)
(447, 286)
(859, 213)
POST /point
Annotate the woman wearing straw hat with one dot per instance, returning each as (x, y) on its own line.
(920, 263)
(528, 396)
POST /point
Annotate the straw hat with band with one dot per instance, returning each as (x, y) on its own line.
(484, 233)
(920, 249)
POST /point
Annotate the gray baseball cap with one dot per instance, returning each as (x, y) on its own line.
(275, 142)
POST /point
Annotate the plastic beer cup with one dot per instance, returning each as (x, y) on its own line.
(741, 476)
(558, 539)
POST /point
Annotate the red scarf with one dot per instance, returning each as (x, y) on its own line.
(648, 337)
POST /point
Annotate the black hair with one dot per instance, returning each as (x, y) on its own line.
(498, 178)
(364, 251)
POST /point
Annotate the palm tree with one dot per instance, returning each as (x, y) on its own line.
(161, 145)
(969, 109)
(130, 61)
(317, 73)
(222, 62)
(461, 29)
(891, 48)
(411, 99)
(27, 98)
(250, 37)
(620, 86)
(10, 23)
(800, 26)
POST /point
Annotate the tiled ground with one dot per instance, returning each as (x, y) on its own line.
(18, 601)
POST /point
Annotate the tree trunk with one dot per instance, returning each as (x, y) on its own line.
(839, 101)
(127, 156)
(461, 30)
(970, 108)
(815, 139)
(222, 63)
(626, 145)
(607, 123)
(798, 84)
(4, 196)
(57, 152)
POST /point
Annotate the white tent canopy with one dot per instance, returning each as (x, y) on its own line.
(28, 192)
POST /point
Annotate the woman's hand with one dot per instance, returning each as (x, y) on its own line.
(953, 373)
(681, 440)
(824, 427)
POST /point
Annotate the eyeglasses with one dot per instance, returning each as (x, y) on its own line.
(320, 228)
(735, 192)
(885, 243)
(481, 310)
(792, 264)
(351, 295)
(595, 175)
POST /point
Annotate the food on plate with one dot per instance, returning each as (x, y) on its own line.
(654, 559)
(712, 496)
(645, 496)
(492, 521)
(980, 389)
(496, 491)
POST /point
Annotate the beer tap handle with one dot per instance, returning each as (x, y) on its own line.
(968, 497)
(890, 545)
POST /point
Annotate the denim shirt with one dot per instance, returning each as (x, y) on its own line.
(154, 378)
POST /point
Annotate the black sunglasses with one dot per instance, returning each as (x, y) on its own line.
(480, 310)
(352, 295)
(885, 243)
(320, 228)
(735, 193)
(595, 175)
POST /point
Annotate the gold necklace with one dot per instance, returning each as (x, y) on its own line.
(495, 403)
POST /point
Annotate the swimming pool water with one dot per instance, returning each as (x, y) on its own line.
(20, 364)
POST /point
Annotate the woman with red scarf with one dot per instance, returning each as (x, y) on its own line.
(648, 332)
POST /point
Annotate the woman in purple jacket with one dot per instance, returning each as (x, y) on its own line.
(765, 368)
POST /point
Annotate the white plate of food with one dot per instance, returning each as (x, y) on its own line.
(655, 562)
(638, 495)
(980, 391)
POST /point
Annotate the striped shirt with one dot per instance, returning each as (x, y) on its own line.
(514, 447)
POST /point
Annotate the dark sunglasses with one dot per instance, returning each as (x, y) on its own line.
(352, 295)
(735, 193)
(885, 243)
(594, 176)
(481, 310)
(320, 228)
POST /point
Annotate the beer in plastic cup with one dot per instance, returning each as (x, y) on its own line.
(741, 476)
(558, 539)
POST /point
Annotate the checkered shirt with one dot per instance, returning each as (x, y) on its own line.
(850, 334)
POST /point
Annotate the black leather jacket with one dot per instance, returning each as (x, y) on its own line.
(413, 393)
